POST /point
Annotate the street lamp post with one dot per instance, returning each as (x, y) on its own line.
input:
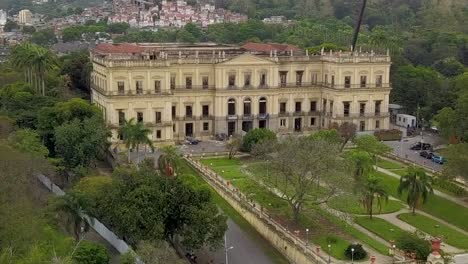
(329, 253)
(307, 240)
(393, 255)
(352, 255)
(226, 249)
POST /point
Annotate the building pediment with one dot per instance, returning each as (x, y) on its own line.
(248, 59)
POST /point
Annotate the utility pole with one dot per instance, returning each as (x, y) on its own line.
(358, 24)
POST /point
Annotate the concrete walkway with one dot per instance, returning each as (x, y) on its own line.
(436, 192)
(341, 215)
(393, 218)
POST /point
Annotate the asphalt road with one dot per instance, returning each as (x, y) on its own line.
(245, 250)
(402, 150)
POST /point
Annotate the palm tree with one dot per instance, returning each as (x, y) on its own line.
(373, 190)
(42, 62)
(363, 166)
(134, 134)
(73, 207)
(418, 185)
(169, 161)
(35, 62)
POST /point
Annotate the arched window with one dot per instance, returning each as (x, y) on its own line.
(247, 106)
(262, 105)
(231, 106)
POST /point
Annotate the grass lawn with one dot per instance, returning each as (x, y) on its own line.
(381, 228)
(348, 204)
(191, 177)
(435, 205)
(436, 229)
(390, 165)
(322, 223)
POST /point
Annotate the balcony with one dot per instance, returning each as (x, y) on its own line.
(232, 117)
(206, 117)
(298, 113)
(247, 117)
(263, 116)
(283, 114)
(315, 113)
(189, 118)
(357, 86)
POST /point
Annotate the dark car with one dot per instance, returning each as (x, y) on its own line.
(426, 154)
(438, 159)
(421, 146)
(192, 141)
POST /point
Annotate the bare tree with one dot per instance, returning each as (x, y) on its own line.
(347, 132)
(305, 170)
(233, 145)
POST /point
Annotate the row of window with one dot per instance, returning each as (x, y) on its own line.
(248, 82)
(247, 109)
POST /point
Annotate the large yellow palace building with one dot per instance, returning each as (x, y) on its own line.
(200, 90)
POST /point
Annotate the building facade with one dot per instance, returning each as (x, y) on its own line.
(25, 17)
(202, 90)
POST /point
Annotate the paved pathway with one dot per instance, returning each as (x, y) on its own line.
(348, 218)
(393, 218)
(436, 192)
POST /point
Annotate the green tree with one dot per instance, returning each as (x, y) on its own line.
(449, 67)
(157, 252)
(141, 205)
(134, 134)
(373, 191)
(72, 207)
(371, 145)
(457, 161)
(233, 145)
(78, 67)
(29, 141)
(256, 136)
(363, 166)
(45, 37)
(332, 136)
(91, 253)
(28, 29)
(10, 26)
(118, 28)
(418, 186)
(81, 142)
(299, 174)
(169, 161)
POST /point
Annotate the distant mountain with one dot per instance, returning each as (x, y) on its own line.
(451, 14)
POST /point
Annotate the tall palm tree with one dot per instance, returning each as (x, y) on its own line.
(418, 185)
(134, 134)
(42, 62)
(169, 161)
(35, 62)
(373, 190)
(73, 207)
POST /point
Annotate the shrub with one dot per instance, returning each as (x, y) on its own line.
(388, 135)
(359, 252)
(91, 253)
(412, 243)
(450, 187)
(127, 258)
(255, 136)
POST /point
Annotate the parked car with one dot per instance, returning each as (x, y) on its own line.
(192, 141)
(421, 146)
(438, 159)
(426, 154)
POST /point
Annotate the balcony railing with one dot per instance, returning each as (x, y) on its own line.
(232, 117)
(247, 117)
(263, 116)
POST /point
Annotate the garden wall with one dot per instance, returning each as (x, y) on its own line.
(293, 248)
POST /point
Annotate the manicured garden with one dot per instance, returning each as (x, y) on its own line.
(436, 229)
(350, 205)
(191, 177)
(243, 175)
(381, 228)
(435, 205)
